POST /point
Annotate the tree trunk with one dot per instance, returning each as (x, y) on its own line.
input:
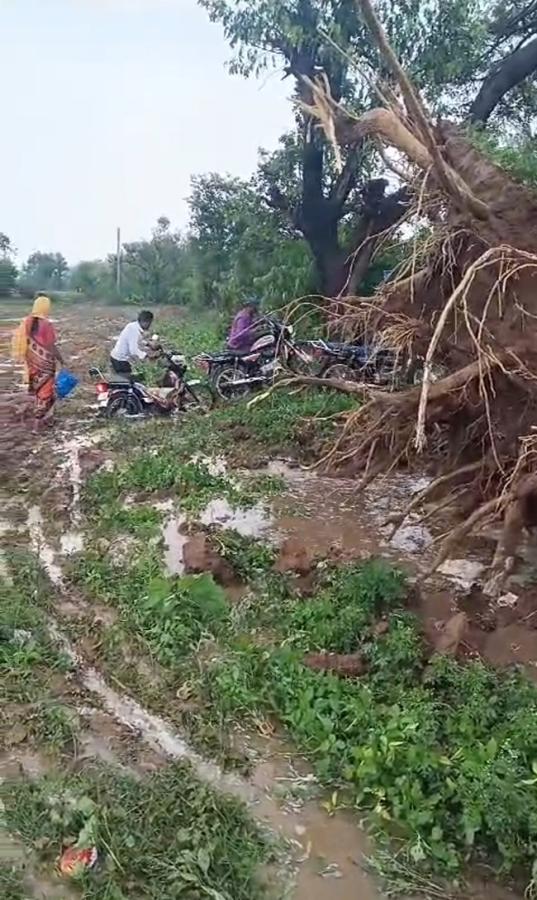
(360, 263)
(330, 258)
(380, 213)
(333, 271)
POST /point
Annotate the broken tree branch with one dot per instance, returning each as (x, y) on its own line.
(445, 176)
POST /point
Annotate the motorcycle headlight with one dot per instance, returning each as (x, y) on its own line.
(291, 330)
(178, 360)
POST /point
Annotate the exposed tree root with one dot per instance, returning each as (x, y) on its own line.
(457, 534)
(520, 514)
(469, 302)
(336, 384)
(466, 300)
(397, 519)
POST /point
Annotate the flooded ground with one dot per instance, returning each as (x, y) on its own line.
(319, 517)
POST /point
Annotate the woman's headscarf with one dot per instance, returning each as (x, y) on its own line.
(19, 341)
(41, 307)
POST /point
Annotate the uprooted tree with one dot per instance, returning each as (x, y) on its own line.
(467, 302)
(470, 58)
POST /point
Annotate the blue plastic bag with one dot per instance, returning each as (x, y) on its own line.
(66, 382)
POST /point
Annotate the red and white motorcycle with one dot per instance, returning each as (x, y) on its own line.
(126, 395)
(234, 374)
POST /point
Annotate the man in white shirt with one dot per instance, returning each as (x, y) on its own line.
(129, 344)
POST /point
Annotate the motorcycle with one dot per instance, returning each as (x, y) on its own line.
(233, 374)
(356, 362)
(370, 364)
(127, 396)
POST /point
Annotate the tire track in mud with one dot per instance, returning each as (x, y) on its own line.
(328, 852)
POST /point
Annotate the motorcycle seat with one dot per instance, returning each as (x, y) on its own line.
(363, 351)
(226, 355)
(126, 380)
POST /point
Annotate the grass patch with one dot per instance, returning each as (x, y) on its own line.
(283, 423)
(194, 334)
(29, 664)
(250, 558)
(348, 601)
(193, 483)
(443, 756)
(165, 837)
(55, 725)
(141, 521)
(170, 615)
(12, 883)
(28, 657)
(284, 420)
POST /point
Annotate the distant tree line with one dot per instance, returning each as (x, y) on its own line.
(236, 245)
(306, 221)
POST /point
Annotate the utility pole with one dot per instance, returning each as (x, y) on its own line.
(118, 262)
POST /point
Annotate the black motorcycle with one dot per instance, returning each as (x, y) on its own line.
(234, 374)
(127, 396)
(368, 364)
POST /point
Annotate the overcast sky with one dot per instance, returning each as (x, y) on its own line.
(108, 108)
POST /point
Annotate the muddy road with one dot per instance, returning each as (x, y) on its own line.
(66, 513)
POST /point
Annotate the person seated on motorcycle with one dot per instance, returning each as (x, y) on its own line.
(243, 334)
(129, 345)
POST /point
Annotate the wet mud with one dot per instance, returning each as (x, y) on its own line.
(329, 518)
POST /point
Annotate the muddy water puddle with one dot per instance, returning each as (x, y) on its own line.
(330, 852)
(325, 514)
(329, 516)
(175, 540)
(255, 521)
(332, 514)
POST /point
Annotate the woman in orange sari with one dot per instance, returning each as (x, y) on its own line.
(35, 344)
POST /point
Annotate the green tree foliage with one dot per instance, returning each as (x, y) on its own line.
(8, 276)
(242, 247)
(8, 270)
(154, 270)
(6, 247)
(93, 278)
(45, 271)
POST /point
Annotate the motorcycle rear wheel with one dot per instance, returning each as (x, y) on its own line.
(123, 405)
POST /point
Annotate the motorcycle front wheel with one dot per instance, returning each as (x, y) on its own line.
(226, 382)
(303, 364)
(199, 396)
